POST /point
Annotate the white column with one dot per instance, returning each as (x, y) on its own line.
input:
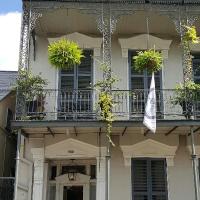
(38, 180)
(100, 187)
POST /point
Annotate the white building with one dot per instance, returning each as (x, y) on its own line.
(69, 139)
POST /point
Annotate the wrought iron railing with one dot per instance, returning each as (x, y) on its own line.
(7, 188)
(83, 104)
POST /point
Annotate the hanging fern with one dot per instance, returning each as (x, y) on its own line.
(150, 60)
(64, 54)
(190, 34)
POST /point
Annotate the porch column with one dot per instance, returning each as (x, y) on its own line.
(38, 179)
(100, 187)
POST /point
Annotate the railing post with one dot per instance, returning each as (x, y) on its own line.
(194, 165)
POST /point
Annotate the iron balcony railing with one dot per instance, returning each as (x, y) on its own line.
(7, 188)
(83, 104)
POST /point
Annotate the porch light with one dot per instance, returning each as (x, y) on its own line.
(72, 172)
(72, 175)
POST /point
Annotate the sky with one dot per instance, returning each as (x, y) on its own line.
(10, 23)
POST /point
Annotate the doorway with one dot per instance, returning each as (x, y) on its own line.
(73, 193)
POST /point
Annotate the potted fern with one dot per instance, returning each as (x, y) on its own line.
(186, 95)
(30, 89)
(64, 54)
(151, 60)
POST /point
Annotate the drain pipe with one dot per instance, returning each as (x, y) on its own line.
(17, 162)
(194, 165)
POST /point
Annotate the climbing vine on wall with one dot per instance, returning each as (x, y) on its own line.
(106, 102)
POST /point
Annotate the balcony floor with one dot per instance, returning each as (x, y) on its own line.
(119, 127)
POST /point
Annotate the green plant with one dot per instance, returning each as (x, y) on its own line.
(106, 101)
(29, 85)
(190, 34)
(150, 60)
(186, 95)
(64, 54)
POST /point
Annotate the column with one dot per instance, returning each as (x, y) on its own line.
(38, 179)
(100, 187)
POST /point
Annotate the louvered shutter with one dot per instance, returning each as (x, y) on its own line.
(149, 179)
(158, 180)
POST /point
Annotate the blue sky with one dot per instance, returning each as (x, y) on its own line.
(10, 23)
(10, 6)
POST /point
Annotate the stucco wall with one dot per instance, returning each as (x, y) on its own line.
(180, 176)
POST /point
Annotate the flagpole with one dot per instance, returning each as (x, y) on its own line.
(194, 165)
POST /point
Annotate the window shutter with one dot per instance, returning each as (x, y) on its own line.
(149, 179)
(139, 179)
(158, 177)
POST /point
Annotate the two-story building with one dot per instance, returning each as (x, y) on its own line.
(8, 140)
(62, 153)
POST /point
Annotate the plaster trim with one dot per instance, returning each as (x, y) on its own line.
(84, 41)
(72, 148)
(149, 149)
(139, 42)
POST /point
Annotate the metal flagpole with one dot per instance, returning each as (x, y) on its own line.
(194, 165)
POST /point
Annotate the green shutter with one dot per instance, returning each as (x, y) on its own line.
(149, 179)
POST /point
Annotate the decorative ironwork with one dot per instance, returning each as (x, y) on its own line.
(80, 104)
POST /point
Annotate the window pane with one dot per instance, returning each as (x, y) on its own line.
(84, 82)
(86, 63)
(137, 83)
(67, 82)
(53, 172)
(68, 71)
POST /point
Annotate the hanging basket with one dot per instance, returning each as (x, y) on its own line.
(150, 60)
(64, 54)
(190, 34)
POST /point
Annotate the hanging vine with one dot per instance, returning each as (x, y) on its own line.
(106, 102)
(189, 37)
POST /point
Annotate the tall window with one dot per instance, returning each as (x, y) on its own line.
(75, 83)
(196, 68)
(149, 179)
(139, 84)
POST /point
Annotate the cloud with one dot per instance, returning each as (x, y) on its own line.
(10, 24)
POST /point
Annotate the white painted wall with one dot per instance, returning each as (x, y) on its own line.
(180, 176)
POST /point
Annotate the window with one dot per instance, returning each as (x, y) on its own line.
(196, 68)
(75, 83)
(149, 179)
(139, 84)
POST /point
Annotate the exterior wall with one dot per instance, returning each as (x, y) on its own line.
(180, 175)
(172, 72)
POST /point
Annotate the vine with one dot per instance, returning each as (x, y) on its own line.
(106, 101)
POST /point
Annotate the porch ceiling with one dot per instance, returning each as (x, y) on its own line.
(167, 2)
(166, 127)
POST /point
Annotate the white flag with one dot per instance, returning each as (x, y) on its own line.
(150, 109)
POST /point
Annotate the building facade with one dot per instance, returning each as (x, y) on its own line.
(8, 140)
(62, 151)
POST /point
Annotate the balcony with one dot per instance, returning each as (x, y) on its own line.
(82, 105)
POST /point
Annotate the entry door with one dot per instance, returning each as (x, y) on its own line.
(73, 193)
(75, 88)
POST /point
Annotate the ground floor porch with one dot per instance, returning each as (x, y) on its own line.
(59, 163)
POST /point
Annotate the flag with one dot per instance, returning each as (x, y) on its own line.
(150, 109)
